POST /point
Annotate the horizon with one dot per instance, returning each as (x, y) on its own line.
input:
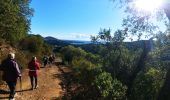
(90, 40)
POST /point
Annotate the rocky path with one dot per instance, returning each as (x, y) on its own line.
(50, 81)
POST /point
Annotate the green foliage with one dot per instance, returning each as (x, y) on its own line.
(94, 58)
(109, 88)
(70, 52)
(88, 71)
(147, 85)
(119, 90)
(84, 70)
(34, 44)
(103, 82)
(139, 22)
(46, 49)
(81, 64)
(15, 19)
(115, 57)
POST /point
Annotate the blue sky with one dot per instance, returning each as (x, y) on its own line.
(74, 19)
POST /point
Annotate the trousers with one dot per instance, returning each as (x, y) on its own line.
(12, 87)
(33, 80)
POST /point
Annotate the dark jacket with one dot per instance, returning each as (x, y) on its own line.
(10, 70)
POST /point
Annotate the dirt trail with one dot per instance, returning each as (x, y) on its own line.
(50, 82)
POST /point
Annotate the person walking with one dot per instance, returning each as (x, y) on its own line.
(33, 67)
(45, 60)
(11, 73)
(51, 59)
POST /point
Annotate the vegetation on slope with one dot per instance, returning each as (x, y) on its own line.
(15, 17)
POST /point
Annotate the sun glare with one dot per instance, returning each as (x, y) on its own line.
(148, 5)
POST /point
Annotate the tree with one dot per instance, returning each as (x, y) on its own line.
(164, 49)
(140, 66)
(15, 16)
(35, 44)
(138, 22)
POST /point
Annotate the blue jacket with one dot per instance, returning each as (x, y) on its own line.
(10, 70)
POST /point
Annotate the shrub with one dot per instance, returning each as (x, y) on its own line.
(83, 68)
(147, 85)
(70, 52)
(108, 87)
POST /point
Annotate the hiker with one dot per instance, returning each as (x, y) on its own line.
(51, 59)
(45, 60)
(11, 73)
(33, 67)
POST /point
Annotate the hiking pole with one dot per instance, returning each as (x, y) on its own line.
(20, 79)
(21, 83)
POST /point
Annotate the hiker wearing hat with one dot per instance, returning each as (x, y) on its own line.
(11, 73)
(33, 67)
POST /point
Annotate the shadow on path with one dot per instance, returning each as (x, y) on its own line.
(67, 81)
(2, 98)
(24, 90)
(4, 91)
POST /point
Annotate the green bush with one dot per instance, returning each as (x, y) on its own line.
(70, 52)
(94, 58)
(83, 68)
(95, 84)
(147, 85)
(108, 87)
(35, 45)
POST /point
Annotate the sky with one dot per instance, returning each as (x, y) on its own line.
(74, 19)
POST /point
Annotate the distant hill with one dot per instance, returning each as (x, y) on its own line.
(130, 45)
(90, 47)
(54, 41)
(59, 42)
(83, 44)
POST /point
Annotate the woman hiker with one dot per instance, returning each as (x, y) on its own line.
(33, 67)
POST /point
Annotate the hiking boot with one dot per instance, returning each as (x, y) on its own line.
(36, 87)
(11, 97)
(15, 95)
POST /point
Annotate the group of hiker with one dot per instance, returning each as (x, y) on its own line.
(12, 71)
(48, 60)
